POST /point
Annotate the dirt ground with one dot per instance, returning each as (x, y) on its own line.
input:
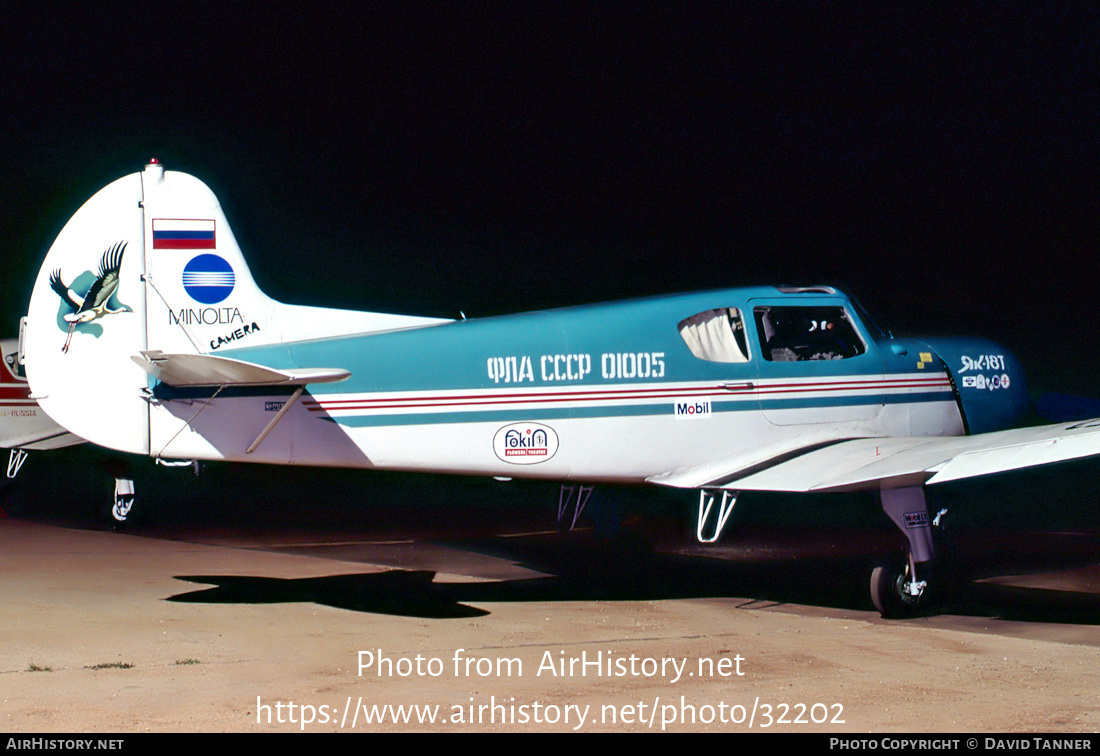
(219, 631)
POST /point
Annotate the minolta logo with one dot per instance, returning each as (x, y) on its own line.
(208, 279)
(693, 408)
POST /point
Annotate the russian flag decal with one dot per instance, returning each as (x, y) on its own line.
(183, 234)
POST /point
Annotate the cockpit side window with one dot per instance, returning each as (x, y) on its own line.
(790, 334)
(716, 335)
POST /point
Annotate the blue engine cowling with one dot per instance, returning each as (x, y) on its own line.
(989, 382)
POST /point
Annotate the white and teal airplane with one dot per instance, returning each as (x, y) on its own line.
(147, 334)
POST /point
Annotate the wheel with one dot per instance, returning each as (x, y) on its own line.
(120, 512)
(888, 594)
(123, 501)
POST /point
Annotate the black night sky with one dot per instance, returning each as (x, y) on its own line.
(939, 161)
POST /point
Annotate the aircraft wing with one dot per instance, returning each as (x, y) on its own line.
(199, 370)
(873, 463)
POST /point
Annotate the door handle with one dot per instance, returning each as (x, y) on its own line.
(746, 386)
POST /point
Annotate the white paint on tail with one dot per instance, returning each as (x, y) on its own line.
(183, 288)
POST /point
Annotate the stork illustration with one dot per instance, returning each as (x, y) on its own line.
(94, 304)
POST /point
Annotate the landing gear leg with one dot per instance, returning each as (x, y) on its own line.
(124, 499)
(897, 589)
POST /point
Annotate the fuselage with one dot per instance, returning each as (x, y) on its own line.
(671, 387)
(622, 391)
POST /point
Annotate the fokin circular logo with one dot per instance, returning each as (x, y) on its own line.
(525, 443)
(208, 279)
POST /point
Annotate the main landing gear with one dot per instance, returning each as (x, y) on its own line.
(900, 588)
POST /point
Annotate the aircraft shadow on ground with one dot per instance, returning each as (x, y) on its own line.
(576, 575)
(405, 593)
(583, 573)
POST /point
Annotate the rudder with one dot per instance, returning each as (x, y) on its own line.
(87, 316)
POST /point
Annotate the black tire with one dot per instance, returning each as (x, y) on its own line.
(887, 594)
(122, 510)
(116, 514)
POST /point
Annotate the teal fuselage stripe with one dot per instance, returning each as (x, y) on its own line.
(495, 416)
(627, 410)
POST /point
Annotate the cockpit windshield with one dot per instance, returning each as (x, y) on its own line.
(796, 333)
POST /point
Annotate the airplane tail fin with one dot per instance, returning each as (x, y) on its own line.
(149, 264)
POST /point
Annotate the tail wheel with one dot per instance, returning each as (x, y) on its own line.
(123, 502)
(120, 511)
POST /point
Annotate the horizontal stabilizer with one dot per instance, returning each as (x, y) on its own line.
(198, 370)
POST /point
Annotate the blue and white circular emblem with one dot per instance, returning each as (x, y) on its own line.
(208, 279)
